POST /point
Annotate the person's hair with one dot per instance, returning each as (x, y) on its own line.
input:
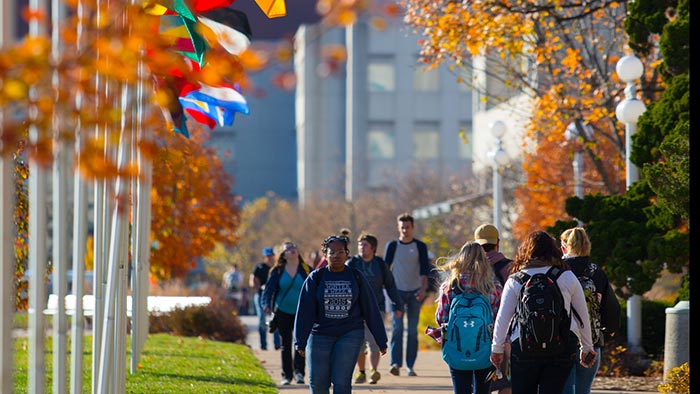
(471, 259)
(488, 247)
(576, 241)
(325, 245)
(281, 261)
(539, 249)
(370, 238)
(405, 217)
(345, 231)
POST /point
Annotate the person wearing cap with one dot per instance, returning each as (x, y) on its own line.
(257, 281)
(487, 236)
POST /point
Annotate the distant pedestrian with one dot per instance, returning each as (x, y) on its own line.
(257, 281)
(536, 365)
(408, 259)
(232, 281)
(281, 294)
(488, 237)
(379, 277)
(603, 307)
(334, 306)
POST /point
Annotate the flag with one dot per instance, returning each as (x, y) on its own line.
(214, 105)
(272, 8)
(230, 26)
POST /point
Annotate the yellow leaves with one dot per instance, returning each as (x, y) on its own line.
(14, 89)
(572, 59)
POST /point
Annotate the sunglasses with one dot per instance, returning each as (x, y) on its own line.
(289, 247)
(494, 375)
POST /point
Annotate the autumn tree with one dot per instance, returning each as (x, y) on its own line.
(562, 55)
(193, 206)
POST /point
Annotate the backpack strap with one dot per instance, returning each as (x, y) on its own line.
(554, 273)
(455, 287)
(390, 251)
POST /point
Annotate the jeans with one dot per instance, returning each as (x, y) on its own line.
(463, 382)
(581, 378)
(262, 324)
(411, 307)
(292, 361)
(548, 375)
(332, 360)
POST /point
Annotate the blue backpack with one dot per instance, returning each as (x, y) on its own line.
(467, 340)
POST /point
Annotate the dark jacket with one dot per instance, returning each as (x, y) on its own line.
(379, 277)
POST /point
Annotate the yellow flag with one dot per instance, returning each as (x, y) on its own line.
(272, 8)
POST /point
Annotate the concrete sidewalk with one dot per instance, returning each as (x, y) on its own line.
(433, 374)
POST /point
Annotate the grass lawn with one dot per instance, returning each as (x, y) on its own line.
(170, 364)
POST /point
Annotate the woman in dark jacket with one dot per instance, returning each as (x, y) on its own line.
(576, 247)
(281, 295)
(334, 307)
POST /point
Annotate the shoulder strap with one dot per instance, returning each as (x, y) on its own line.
(520, 277)
(390, 250)
(455, 288)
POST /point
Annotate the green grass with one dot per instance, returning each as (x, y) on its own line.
(170, 364)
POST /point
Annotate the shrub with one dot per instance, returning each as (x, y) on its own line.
(677, 380)
(217, 321)
(427, 318)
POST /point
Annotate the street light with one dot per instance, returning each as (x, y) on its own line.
(629, 69)
(499, 158)
(572, 134)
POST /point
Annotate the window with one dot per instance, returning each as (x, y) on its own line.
(425, 80)
(381, 76)
(426, 141)
(464, 141)
(380, 141)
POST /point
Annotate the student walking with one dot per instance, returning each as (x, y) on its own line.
(408, 259)
(281, 294)
(471, 290)
(542, 348)
(379, 278)
(603, 307)
(257, 281)
(488, 237)
(334, 306)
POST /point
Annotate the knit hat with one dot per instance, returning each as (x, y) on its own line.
(486, 234)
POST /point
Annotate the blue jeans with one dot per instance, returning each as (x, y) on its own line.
(581, 379)
(464, 382)
(411, 307)
(332, 361)
(262, 324)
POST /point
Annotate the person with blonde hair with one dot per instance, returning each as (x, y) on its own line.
(603, 307)
(468, 271)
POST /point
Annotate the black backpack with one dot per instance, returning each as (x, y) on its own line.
(540, 314)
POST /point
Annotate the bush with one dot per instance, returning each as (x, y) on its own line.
(427, 318)
(677, 381)
(217, 321)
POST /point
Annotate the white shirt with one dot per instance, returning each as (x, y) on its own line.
(573, 295)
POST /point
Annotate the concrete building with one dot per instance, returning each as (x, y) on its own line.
(379, 117)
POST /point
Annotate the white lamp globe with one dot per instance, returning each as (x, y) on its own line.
(498, 129)
(629, 68)
(498, 157)
(629, 111)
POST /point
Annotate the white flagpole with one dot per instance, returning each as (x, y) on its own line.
(7, 258)
(79, 237)
(59, 219)
(37, 243)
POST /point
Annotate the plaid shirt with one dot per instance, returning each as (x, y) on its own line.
(447, 294)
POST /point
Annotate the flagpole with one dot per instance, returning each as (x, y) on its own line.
(7, 204)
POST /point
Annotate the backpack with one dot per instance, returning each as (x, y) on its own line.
(499, 266)
(593, 298)
(540, 314)
(467, 338)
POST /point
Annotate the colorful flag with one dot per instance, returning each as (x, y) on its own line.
(230, 26)
(219, 104)
(272, 8)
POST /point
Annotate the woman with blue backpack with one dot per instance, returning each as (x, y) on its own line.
(468, 302)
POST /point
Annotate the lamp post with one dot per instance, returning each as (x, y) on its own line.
(499, 158)
(572, 134)
(629, 69)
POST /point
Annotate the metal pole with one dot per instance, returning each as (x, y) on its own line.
(497, 196)
(578, 170)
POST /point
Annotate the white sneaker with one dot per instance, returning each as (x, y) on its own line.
(411, 372)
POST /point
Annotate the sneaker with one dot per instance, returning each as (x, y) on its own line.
(360, 377)
(285, 382)
(299, 378)
(394, 370)
(411, 372)
(374, 377)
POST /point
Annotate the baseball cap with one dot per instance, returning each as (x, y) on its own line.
(486, 234)
(268, 252)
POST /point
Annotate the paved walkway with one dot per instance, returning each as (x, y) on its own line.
(433, 375)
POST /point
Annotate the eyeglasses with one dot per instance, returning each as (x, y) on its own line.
(336, 252)
(289, 247)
